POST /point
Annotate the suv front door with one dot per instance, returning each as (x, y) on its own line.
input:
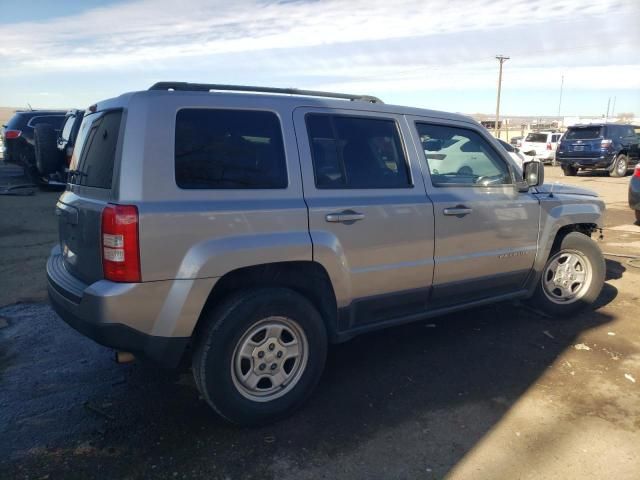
(370, 222)
(486, 230)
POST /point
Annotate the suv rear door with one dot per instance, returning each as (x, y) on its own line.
(582, 141)
(79, 209)
(370, 221)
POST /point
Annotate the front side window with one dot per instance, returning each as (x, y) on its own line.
(229, 149)
(356, 152)
(461, 157)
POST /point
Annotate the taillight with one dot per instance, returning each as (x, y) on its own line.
(605, 144)
(636, 171)
(120, 246)
(548, 146)
(11, 134)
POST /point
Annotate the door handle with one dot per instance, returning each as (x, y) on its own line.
(348, 217)
(458, 211)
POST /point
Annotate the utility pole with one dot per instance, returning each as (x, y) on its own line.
(613, 107)
(560, 101)
(606, 119)
(501, 59)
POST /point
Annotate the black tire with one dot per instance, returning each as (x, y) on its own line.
(637, 212)
(573, 242)
(620, 166)
(569, 171)
(225, 329)
(46, 151)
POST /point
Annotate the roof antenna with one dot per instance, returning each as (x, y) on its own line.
(30, 107)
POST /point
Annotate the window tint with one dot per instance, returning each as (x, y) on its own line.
(356, 152)
(555, 138)
(96, 144)
(461, 157)
(229, 149)
(627, 132)
(583, 133)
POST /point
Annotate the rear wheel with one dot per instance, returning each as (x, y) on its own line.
(569, 171)
(260, 355)
(572, 277)
(637, 216)
(620, 166)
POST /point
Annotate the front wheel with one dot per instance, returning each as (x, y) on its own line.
(572, 277)
(260, 355)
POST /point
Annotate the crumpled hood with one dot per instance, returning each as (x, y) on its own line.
(564, 189)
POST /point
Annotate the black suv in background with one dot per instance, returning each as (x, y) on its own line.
(609, 146)
(18, 136)
(53, 148)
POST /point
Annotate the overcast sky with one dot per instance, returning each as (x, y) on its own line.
(437, 54)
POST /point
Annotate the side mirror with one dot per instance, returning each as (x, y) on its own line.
(533, 173)
(433, 145)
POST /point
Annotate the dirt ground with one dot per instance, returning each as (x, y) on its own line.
(498, 392)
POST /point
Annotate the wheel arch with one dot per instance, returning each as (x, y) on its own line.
(307, 278)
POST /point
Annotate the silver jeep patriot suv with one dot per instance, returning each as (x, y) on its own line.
(244, 228)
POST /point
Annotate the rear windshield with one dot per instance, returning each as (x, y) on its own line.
(536, 138)
(54, 120)
(94, 156)
(583, 133)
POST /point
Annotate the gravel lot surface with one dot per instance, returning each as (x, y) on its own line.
(493, 393)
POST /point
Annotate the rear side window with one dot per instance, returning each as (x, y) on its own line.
(583, 133)
(356, 152)
(536, 138)
(96, 144)
(229, 149)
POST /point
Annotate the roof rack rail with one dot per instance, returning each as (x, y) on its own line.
(207, 87)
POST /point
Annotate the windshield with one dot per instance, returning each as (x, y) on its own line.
(583, 133)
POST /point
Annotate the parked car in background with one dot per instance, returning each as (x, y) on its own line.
(634, 192)
(243, 229)
(18, 137)
(606, 146)
(544, 145)
(53, 148)
(514, 153)
(516, 141)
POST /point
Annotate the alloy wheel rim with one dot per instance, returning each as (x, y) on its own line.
(567, 277)
(269, 359)
(622, 166)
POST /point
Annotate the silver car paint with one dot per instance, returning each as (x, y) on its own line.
(190, 238)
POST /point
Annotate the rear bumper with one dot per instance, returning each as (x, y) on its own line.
(586, 162)
(117, 315)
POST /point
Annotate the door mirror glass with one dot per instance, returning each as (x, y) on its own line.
(533, 173)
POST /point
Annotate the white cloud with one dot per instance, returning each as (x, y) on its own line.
(360, 45)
